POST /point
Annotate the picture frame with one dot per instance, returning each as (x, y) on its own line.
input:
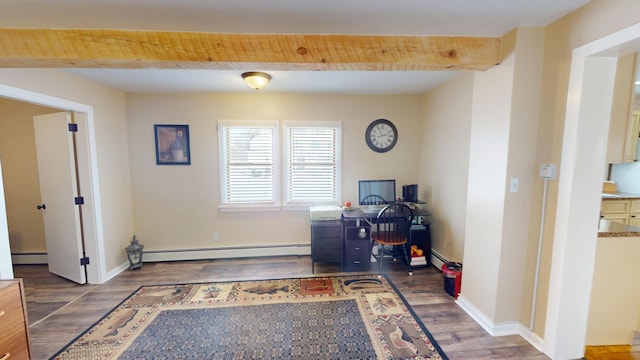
(172, 144)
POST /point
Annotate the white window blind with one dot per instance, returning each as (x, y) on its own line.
(248, 168)
(313, 163)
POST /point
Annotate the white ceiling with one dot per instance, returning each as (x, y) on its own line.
(354, 17)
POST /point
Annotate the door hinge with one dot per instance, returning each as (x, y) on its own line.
(73, 127)
(84, 261)
(79, 200)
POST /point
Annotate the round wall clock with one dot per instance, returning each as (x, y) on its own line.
(381, 135)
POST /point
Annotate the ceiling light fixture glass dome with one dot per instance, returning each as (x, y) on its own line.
(256, 80)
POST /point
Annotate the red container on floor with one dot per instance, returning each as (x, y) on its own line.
(452, 274)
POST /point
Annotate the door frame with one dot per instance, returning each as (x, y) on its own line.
(94, 235)
(584, 143)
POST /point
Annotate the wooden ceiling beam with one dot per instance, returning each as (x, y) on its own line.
(123, 49)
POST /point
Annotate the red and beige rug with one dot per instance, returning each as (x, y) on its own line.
(352, 317)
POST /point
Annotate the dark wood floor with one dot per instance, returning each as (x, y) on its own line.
(60, 310)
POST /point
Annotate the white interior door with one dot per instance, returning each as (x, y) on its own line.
(58, 187)
(6, 266)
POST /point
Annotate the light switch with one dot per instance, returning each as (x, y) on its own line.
(515, 183)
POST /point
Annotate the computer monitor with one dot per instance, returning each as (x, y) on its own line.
(376, 192)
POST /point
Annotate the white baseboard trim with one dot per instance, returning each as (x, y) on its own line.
(532, 338)
(225, 253)
(29, 258)
(113, 273)
(500, 329)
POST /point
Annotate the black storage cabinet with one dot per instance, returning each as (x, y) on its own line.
(326, 242)
(357, 246)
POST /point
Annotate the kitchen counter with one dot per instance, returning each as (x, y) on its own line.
(607, 228)
(620, 196)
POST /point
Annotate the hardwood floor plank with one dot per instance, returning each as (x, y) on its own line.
(613, 352)
(458, 335)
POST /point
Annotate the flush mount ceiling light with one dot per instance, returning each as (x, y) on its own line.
(256, 80)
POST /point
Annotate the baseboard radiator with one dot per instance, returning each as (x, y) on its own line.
(30, 258)
(190, 254)
(216, 253)
(226, 252)
(437, 259)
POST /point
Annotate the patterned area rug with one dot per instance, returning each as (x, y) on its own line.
(352, 317)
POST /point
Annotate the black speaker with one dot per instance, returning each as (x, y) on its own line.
(410, 193)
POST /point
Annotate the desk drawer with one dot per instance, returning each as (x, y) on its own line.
(357, 255)
(327, 254)
(322, 244)
(14, 331)
(11, 312)
(14, 343)
(327, 232)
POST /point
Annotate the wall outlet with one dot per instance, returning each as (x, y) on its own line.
(216, 236)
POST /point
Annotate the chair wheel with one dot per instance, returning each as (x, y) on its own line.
(410, 273)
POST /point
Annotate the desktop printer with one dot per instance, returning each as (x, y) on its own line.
(328, 212)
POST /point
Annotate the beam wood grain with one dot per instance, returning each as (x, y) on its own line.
(124, 49)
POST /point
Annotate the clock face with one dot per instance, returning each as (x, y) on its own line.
(381, 135)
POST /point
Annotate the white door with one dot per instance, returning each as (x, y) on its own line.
(58, 188)
(6, 267)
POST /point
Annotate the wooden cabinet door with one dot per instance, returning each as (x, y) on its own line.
(609, 207)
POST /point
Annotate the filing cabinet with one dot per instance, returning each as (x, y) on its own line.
(357, 247)
(326, 242)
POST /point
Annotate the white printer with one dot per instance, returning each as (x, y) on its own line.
(327, 212)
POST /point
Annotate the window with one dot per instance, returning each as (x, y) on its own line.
(313, 163)
(248, 169)
(249, 166)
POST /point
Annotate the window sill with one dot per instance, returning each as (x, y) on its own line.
(264, 207)
(248, 207)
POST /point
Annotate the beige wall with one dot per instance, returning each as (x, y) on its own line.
(488, 161)
(519, 223)
(593, 21)
(176, 207)
(22, 185)
(444, 162)
(110, 142)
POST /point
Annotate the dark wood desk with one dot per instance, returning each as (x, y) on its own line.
(348, 242)
(419, 235)
(364, 213)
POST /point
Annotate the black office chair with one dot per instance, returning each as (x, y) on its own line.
(372, 199)
(392, 226)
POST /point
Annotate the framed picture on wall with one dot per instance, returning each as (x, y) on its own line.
(172, 144)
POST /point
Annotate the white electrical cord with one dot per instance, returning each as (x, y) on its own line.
(540, 236)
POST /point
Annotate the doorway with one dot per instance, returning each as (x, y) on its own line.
(584, 142)
(93, 239)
